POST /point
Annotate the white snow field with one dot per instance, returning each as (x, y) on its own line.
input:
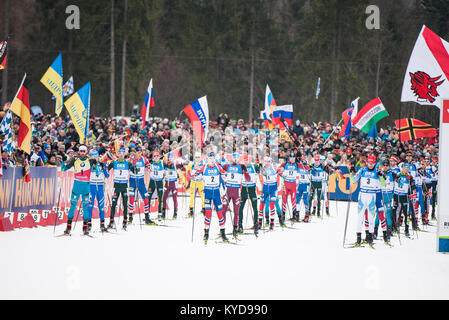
(308, 262)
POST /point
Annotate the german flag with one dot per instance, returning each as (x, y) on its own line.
(412, 129)
(21, 107)
(3, 54)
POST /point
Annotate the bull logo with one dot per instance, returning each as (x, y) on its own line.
(425, 87)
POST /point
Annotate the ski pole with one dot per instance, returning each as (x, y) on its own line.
(347, 212)
(193, 216)
(59, 198)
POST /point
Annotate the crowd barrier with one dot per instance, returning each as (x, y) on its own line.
(45, 201)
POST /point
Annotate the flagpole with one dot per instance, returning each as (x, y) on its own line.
(332, 132)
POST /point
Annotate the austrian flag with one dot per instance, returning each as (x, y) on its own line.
(370, 114)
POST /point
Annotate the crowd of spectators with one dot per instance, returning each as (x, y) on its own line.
(54, 137)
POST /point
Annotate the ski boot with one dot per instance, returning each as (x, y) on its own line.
(376, 231)
(191, 213)
(327, 212)
(367, 235)
(175, 214)
(85, 227)
(271, 224)
(358, 243)
(89, 225)
(235, 232)
(281, 220)
(313, 211)
(267, 219)
(69, 227)
(130, 220)
(206, 236)
(102, 227)
(203, 211)
(147, 220)
(407, 232)
(163, 214)
(223, 235)
(259, 225)
(370, 240)
(296, 216)
(240, 230)
(256, 229)
(386, 237)
(125, 224)
(306, 217)
(111, 224)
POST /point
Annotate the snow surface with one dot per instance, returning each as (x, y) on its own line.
(147, 262)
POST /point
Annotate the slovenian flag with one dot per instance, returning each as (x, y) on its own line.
(198, 113)
(285, 112)
(347, 116)
(148, 103)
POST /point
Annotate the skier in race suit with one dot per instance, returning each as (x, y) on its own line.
(211, 173)
(156, 183)
(249, 192)
(195, 182)
(121, 168)
(269, 189)
(98, 174)
(303, 189)
(171, 178)
(369, 187)
(289, 172)
(233, 176)
(81, 186)
(137, 184)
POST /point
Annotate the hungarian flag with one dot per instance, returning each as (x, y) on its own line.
(3, 54)
(26, 172)
(426, 78)
(412, 129)
(369, 115)
(21, 107)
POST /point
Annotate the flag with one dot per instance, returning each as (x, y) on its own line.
(317, 88)
(67, 89)
(26, 172)
(347, 117)
(21, 107)
(1, 167)
(198, 113)
(426, 78)
(372, 112)
(3, 54)
(78, 106)
(269, 106)
(147, 104)
(287, 131)
(9, 143)
(265, 119)
(412, 129)
(285, 112)
(52, 80)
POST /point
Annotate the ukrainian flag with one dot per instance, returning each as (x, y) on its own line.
(52, 80)
(78, 106)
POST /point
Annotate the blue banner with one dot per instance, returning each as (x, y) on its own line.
(341, 189)
(19, 196)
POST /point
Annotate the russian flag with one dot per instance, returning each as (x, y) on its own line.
(269, 106)
(149, 103)
(198, 113)
(285, 112)
(347, 116)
